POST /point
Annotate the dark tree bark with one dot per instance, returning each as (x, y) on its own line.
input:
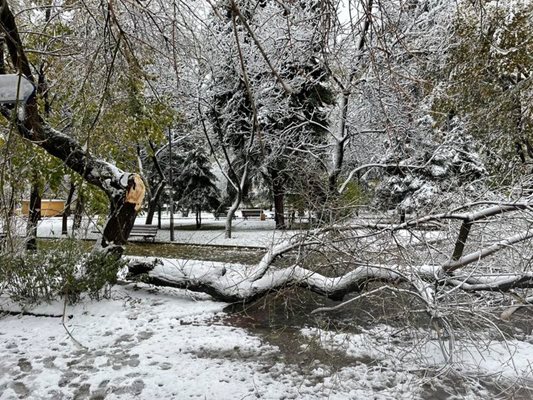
(153, 202)
(124, 190)
(278, 190)
(78, 212)
(198, 217)
(34, 215)
(67, 210)
(461, 240)
(124, 208)
(279, 208)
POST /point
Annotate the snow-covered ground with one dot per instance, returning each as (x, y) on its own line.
(245, 233)
(413, 349)
(148, 343)
(165, 345)
(171, 344)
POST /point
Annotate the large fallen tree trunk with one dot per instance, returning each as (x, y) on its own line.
(124, 190)
(234, 283)
(429, 283)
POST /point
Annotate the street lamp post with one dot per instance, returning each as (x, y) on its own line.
(16, 89)
(171, 184)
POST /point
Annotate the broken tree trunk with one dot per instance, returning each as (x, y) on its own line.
(124, 190)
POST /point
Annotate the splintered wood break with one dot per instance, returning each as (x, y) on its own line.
(135, 191)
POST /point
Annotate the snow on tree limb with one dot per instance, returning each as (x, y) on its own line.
(374, 165)
(234, 283)
(36, 130)
(231, 283)
(238, 283)
(487, 251)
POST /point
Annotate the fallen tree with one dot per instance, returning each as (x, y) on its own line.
(432, 283)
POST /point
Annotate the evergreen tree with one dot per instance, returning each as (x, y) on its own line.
(430, 169)
(196, 184)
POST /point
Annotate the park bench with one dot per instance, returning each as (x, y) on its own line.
(221, 214)
(252, 213)
(144, 231)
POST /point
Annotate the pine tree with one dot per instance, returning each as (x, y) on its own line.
(196, 184)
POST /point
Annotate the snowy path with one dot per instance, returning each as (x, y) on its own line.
(139, 345)
(246, 233)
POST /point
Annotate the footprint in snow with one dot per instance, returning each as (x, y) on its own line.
(20, 389)
(24, 365)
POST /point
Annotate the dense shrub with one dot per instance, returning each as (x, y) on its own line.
(63, 269)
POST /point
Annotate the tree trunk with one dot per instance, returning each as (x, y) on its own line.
(67, 210)
(278, 189)
(236, 203)
(198, 217)
(34, 215)
(340, 141)
(279, 209)
(154, 202)
(123, 210)
(78, 212)
(231, 214)
(342, 137)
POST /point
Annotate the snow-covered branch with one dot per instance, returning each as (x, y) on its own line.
(487, 251)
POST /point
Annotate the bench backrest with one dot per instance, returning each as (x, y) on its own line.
(144, 228)
(252, 212)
